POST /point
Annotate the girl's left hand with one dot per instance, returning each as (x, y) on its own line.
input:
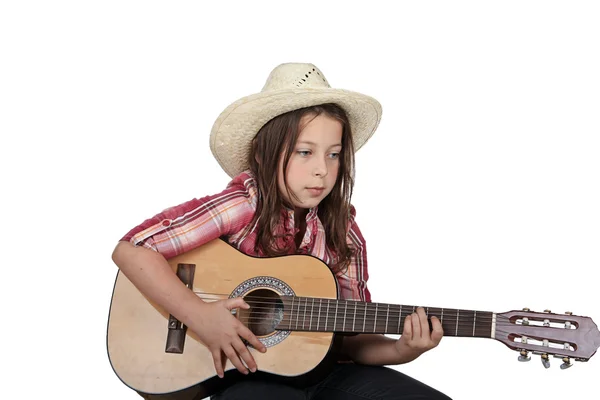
(416, 337)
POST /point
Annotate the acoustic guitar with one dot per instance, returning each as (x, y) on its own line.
(296, 313)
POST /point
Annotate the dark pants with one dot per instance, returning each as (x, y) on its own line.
(347, 381)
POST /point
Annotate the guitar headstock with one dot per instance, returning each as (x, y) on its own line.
(565, 336)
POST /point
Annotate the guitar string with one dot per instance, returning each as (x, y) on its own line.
(466, 321)
(448, 313)
(463, 329)
(291, 319)
(371, 316)
(295, 324)
(289, 299)
(370, 311)
(498, 332)
(382, 306)
(370, 321)
(339, 327)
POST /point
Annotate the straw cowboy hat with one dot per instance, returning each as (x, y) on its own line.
(290, 86)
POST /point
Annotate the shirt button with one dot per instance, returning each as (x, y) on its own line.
(166, 222)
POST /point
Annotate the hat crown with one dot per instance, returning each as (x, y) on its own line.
(295, 76)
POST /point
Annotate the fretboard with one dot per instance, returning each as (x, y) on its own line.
(331, 315)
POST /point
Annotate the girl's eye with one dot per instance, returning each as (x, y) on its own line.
(303, 153)
(334, 156)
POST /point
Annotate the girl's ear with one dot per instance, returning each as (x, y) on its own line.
(254, 150)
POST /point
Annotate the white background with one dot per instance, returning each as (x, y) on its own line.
(480, 189)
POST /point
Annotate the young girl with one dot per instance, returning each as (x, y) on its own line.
(290, 152)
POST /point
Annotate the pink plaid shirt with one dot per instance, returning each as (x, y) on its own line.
(225, 215)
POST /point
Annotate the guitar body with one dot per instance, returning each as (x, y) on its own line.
(138, 329)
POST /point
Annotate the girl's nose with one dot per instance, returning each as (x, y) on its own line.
(320, 167)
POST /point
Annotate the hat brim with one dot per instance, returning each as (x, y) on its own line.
(234, 129)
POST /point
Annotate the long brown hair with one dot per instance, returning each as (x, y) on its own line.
(277, 138)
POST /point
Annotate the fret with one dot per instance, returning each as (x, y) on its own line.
(354, 319)
(375, 323)
(319, 316)
(311, 314)
(467, 322)
(335, 319)
(291, 313)
(345, 309)
(305, 307)
(392, 322)
(399, 318)
(386, 317)
(474, 318)
(327, 315)
(365, 315)
(442, 319)
(457, 313)
(298, 314)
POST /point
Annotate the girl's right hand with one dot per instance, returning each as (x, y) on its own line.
(222, 333)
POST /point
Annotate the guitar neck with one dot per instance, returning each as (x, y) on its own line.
(348, 316)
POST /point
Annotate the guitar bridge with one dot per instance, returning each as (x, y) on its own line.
(177, 330)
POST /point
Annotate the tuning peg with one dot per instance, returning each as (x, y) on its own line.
(566, 363)
(547, 311)
(568, 313)
(545, 360)
(524, 356)
(526, 309)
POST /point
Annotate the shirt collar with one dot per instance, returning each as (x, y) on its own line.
(311, 215)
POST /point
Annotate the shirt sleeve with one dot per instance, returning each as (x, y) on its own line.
(353, 282)
(189, 225)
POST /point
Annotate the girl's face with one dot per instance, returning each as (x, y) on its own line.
(313, 167)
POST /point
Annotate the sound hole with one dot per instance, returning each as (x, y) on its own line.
(265, 313)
